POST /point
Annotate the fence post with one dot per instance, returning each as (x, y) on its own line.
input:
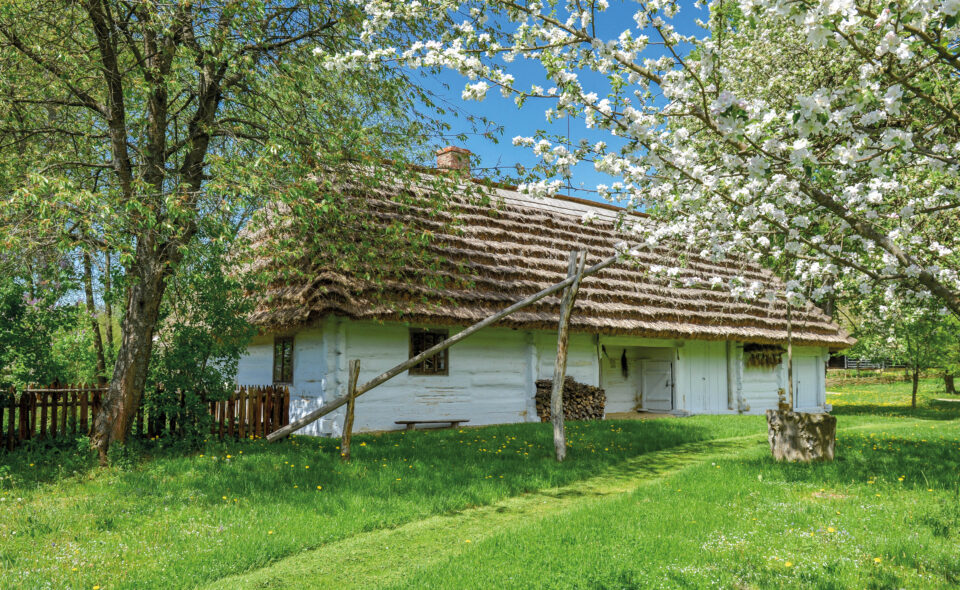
(221, 412)
(243, 394)
(231, 412)
(213, 417)
(10, 419)
(73, 412)
(63, 413)
(43, 413)
(267, 410)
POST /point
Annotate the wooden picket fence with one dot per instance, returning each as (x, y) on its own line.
(253, 411)
(63, 411)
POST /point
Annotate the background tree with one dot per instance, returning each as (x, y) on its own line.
(908, 329)
(30, 315)
(145, 129)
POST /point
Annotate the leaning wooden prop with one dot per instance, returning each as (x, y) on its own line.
(799, 436)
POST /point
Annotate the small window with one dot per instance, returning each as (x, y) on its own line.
(421, 340)
(283, 360)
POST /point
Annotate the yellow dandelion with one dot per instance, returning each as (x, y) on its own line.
(467, 541)
(319, 487)
(787, 564)
(831, 530)
(269, 532)
(877, 560)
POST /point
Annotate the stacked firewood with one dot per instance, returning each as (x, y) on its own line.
(580, 402)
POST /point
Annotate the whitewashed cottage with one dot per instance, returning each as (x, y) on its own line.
(650, 343)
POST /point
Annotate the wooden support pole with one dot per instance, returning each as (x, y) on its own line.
(351, 404)
(575, 271)
(458, 337)
(789, 353)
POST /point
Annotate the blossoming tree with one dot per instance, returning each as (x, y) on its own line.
(817, 134)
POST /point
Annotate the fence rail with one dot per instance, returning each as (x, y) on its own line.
(851, 363)
(63, 411)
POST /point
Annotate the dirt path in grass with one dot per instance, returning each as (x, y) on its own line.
(381, 557)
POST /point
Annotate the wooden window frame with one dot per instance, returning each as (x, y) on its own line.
(443, 357)
(284, 370)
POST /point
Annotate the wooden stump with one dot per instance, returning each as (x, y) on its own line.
(801, 436)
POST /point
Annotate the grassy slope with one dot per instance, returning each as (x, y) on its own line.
(178, 521)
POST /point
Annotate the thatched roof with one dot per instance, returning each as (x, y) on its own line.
(518, 245)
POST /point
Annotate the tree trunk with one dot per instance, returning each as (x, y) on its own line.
(916, 385)
(949, 384)
(144, 295)
(94, 322)
(108, 300)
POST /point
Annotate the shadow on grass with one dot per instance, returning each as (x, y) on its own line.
(450, 469)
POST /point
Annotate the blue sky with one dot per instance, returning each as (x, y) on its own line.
(530, 118)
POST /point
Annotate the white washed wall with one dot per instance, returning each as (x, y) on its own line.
(582, 363)
(487, 381)
(492, 374)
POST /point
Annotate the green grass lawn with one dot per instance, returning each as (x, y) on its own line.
(893, 399)
(885, 514)
(693, 502)
(177, 521)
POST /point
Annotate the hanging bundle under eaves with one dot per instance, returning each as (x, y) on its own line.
(763, 355)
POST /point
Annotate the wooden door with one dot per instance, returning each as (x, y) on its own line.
(806, 382)
(657, 385)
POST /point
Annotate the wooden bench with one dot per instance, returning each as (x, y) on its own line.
(410, 424)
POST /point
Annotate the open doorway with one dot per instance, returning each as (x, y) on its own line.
(637, 378)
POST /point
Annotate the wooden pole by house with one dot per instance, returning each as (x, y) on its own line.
(574, 270)
(351, 404)
(458, 337)
(789, 353)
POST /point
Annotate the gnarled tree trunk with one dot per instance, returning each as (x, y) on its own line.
(144, 295)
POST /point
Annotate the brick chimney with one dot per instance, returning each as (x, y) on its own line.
(453, 158)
